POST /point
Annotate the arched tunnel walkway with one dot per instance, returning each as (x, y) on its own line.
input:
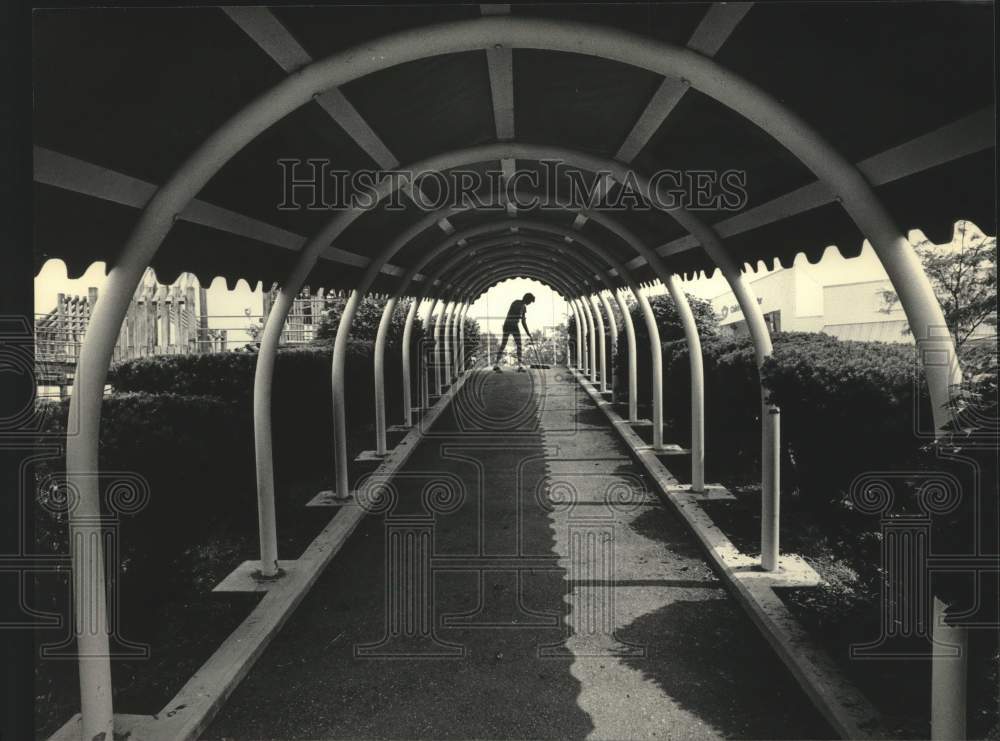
(553, 597)
(520, 569)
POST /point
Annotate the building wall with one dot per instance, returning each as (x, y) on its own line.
(838, 296)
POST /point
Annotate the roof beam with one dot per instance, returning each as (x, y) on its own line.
(76, 175)
(260, 24)
(717, 25)
(500, 60)
(968, 135)
(507, 168)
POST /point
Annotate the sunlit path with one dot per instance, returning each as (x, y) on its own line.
(566, 602)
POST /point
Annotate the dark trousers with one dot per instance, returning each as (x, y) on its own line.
(510, 331)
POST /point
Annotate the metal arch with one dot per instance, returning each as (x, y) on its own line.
(624, 274)
(640, 299)
(500, 274)
(526, 248)
(461, 287)
(612, 333)
(770, 423)
(854, 192)
(477, 285)
(538, 247)
(441, 270)
(407, 333)
(408, 327)
(602, 339)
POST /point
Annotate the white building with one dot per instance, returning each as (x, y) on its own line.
(838, 296)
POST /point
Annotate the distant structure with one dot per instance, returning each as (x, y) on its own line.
(305, 316)
(838, 296)
(161, 320)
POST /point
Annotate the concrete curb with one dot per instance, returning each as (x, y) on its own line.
(190, 712)
(849, 713)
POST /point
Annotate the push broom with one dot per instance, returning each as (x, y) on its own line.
(539, 365)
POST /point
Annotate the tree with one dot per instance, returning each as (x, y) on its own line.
(366, 320)
(667, 319)
(964, 277)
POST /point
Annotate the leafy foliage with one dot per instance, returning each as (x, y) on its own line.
(964, 277)
(669, 325)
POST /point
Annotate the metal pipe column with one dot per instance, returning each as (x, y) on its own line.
(633, 366)
(407, 383)
(591, 338)
(602, 350)
(613, 330)
(697, 369)
(381, 446)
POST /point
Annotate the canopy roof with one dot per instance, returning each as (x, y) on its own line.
(123, 96)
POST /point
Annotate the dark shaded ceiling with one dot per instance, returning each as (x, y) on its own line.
(136, 91)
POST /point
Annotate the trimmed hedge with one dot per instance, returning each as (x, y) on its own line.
(301, 378)
(846, 407)
(194, 454)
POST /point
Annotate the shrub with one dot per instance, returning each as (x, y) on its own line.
(301, 378)
(669, 325)
(846, 408)
(194, 454)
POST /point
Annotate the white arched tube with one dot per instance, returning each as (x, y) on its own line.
(633, 368)
(602, 347)
(381, 337)
(897, 255)
(581, 338)
(461, 337)
(591, 338)
(431, 367)
(613, 331)
(444, 353)
(405, 360)
(697, 369)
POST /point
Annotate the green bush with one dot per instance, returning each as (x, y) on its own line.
(193, 455)
(301, 378)
(846, 408)
(669, 325)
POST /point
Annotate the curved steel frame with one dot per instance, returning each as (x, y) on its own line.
(847, 183)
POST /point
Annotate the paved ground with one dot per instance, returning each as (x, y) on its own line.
(524, 585)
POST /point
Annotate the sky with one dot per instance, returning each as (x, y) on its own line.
(227, 307)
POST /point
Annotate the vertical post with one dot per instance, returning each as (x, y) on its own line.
(489, 348)
(770, 420)
(613, 330)
(451, 342)
(203, 339)
(337, 374)
(591, 339)
(581, 362)
(438, 347)
(633, 369)
(407, 383)
(189, 319)
(461, 338)
(696, 365)
(949, 677)
(262, 433)
(602, 350)
(656, 355)
(428, 355)
(381, 338)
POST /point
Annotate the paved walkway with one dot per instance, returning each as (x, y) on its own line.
(537, 590)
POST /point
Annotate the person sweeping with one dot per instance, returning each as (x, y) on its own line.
(517, 313)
